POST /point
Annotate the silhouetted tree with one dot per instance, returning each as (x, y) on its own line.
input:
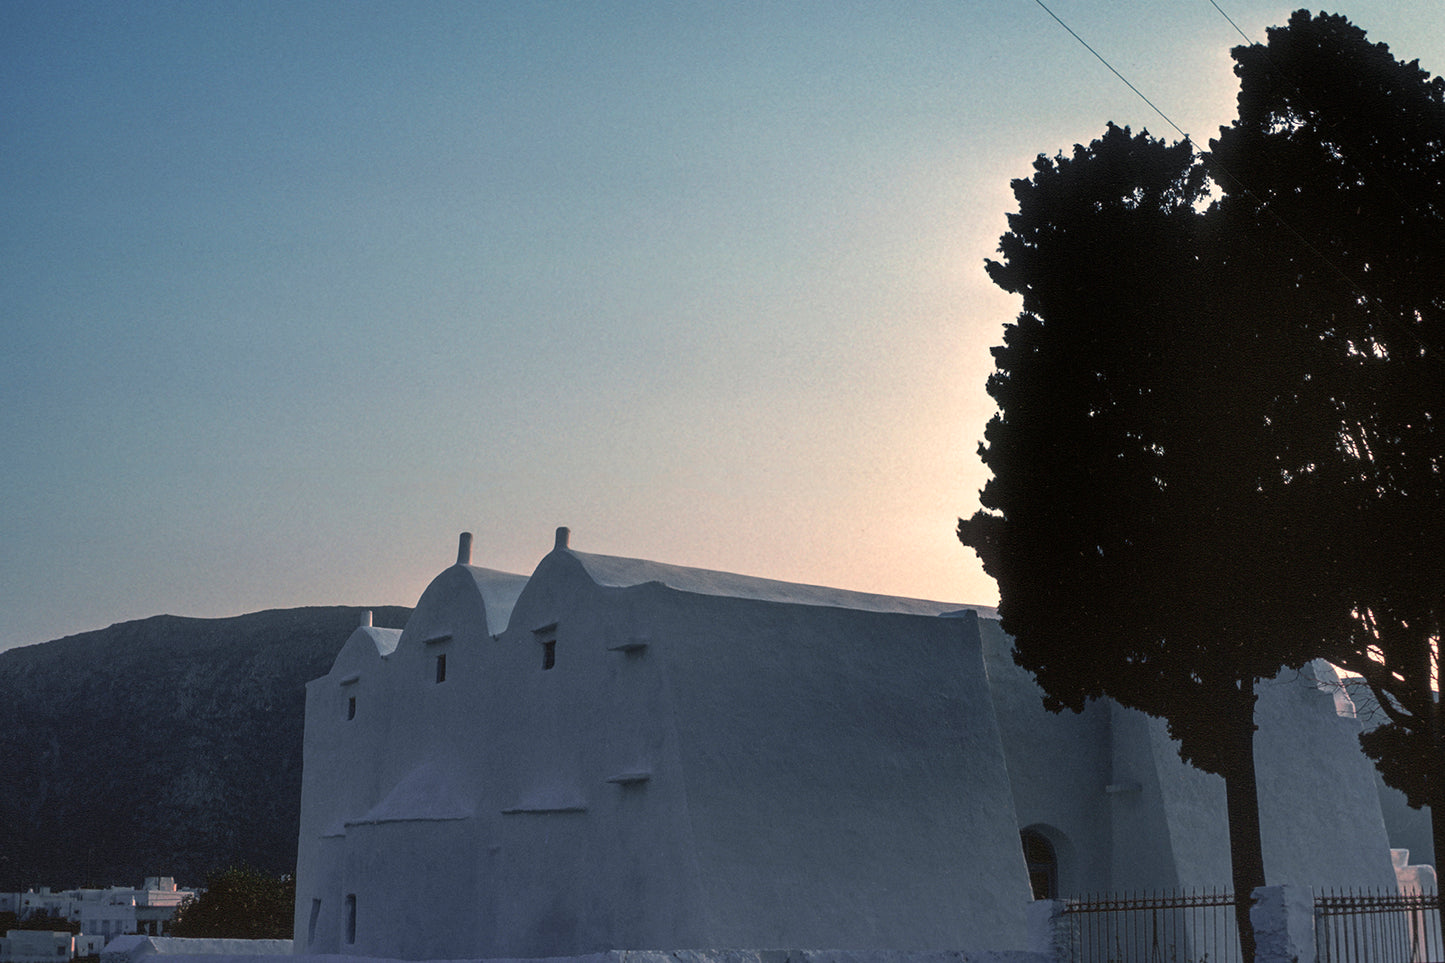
(1217, 451)
(1132, 470)
(1336, 175)
(239, 903)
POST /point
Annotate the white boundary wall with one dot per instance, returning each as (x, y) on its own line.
(640, 956)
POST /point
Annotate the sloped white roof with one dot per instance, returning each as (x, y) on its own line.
(499, 591)
(384, 639)
(426, 794)
(615, 572)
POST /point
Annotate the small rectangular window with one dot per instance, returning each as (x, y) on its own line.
(549, 653)
(311, 924)
(442, 667)
(351, 707)
(351, 917)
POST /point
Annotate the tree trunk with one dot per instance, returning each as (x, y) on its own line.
(1435, 784)
(1437, 829)
(1246, 851)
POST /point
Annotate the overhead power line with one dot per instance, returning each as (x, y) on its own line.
(1209, 159)
(1220, 169)
(1231, 22)
(1116, 73)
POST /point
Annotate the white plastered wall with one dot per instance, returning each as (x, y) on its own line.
(722, 761)
(695, 770)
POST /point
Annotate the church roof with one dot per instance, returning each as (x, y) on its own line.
(499, 591)
(615, 572)
(384, 639)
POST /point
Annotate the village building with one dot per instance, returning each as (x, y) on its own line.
(614, 753)
(106, 913)
(36, 946)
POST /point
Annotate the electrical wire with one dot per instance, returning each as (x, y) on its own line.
(1231, 22)
(1116, 73)
(1211, 161)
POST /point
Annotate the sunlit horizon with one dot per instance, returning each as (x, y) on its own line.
(297, 292)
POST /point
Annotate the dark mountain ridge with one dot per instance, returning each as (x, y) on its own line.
(168, 746)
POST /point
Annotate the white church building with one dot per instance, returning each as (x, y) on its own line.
(613, 753)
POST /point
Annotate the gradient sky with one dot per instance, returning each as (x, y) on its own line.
(292, 293)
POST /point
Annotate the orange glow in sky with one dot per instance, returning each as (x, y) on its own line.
(295, 293)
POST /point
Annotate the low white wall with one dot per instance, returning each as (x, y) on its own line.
(736, 956)
(131, 949)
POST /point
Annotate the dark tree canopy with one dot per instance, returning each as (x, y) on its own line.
(1126, 478)
(239, 903)
(1129, 478)
(1338, 159)
(1218, 449)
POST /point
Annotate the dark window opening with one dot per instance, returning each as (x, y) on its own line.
(442, 667)
(351, 917)
(311, 923)
(549, 653)
(351, 707)
(1042, 863)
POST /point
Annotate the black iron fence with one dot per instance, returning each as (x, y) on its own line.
(1378, 927)
(1194, 927)
(1354, 926)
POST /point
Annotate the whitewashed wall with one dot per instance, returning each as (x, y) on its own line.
(716, 760)
(696, 770)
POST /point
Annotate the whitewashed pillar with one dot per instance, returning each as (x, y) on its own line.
(1284, 924)
(1051, 933)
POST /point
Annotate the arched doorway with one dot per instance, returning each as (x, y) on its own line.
(1042, 862)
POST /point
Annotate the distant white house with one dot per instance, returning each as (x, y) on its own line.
(618, 754)
(36, 946)
(108, 913)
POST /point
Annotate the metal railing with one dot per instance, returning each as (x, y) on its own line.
(1194, 927)
(1377, 927)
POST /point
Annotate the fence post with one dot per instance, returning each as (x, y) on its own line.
(1051, 932)
(1284, 924)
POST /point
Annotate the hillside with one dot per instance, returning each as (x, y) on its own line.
(167, 746)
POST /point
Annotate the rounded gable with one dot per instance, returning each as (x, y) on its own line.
(364, 647)
(463, 601)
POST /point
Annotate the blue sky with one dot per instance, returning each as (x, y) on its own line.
(294, 292)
